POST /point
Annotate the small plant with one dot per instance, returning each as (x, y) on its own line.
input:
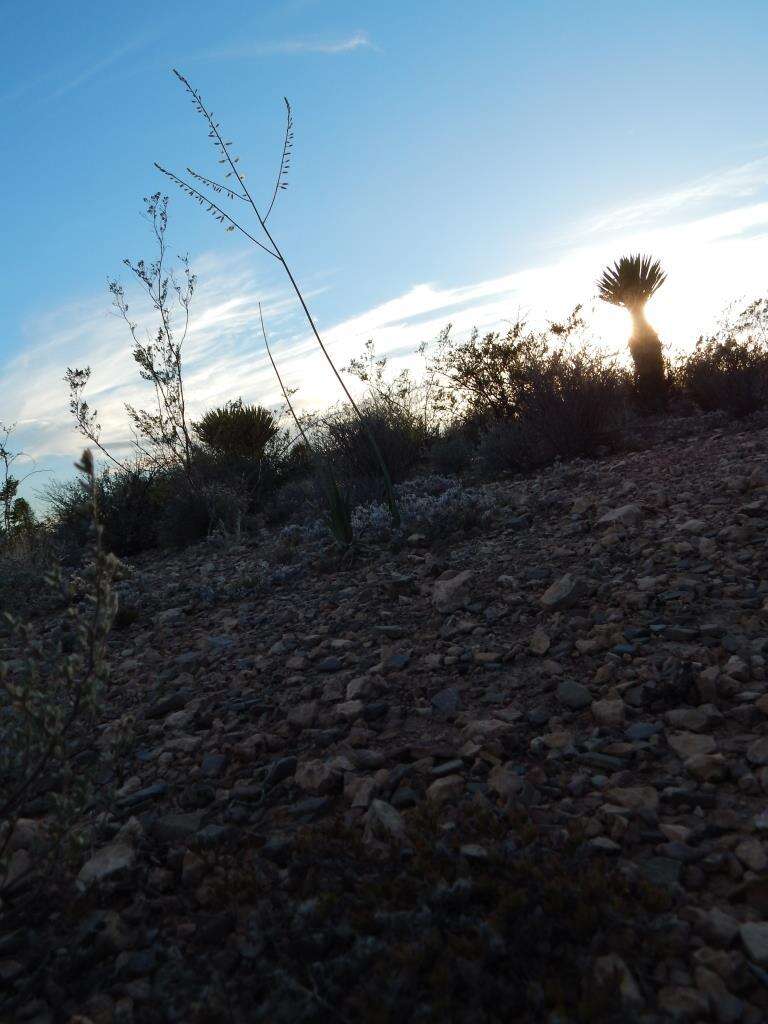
(630, 283)
(162, 437)
(15, 512)
(47, 696)
(236, 430)
(241, 193)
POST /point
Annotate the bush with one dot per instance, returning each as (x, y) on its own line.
(727, 372)
(48, 698)
(129, 506)
(399, 433)
(235, 430)
(451, 454)
(574, 404)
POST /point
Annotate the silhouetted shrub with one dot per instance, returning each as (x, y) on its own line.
(236, 430)
(129, 505)
(730, 370)
(574, 404)
(451, 454)
(399, 433)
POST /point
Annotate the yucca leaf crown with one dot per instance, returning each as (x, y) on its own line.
(631, 281)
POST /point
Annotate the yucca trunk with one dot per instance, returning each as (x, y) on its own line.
(645, 349)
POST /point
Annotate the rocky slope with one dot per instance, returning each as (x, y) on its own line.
(330, 780)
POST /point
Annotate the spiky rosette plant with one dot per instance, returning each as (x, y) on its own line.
(236, 429)
(630, 283)
(238, 192)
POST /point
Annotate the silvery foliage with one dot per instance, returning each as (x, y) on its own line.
(431, 501)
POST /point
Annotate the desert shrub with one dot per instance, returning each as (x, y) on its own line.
(399, 434)
(451, 454)
(129, 504)
(236, 430)
(47, 694)
(729, 370)
(574, 404)
(505, 448)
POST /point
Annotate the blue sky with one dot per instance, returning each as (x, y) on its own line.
(452, 161)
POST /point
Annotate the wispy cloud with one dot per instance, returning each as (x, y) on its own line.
(293, 47)
(711, 260)
(86, 74)
(738, 182)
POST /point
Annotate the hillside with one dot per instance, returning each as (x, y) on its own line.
(512, 766)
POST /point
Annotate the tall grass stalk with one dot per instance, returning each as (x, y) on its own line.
(339, 511)
(228, 160)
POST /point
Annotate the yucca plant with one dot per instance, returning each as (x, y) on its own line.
(237, 430)
(630, 283)
(240, 193)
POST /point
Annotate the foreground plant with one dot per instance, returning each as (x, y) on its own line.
(46, 696)
(630, 283)
(339, 512)
(241, 193)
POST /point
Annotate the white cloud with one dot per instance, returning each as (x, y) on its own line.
(710, 261)
(289, 47)
(733, 183)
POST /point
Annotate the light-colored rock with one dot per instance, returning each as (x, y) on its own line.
(757, 752)
(539, 642)
(105, 863)
(563, 593)
(610, 970)
(505, 783)
(625, 515)
(452, 594)
(383, 822)
(317, 777)
(443, 790)
(691, 719)
(689, 744)
(609, 713)
(634, 798)
(707, 767)
(754, 937)
(751, 853)
(683, 1004)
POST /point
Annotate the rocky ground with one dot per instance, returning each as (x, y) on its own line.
(510, 766)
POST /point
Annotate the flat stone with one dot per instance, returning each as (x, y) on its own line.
(757, 752)
(447, 702)
(539, 642)
(683, 1004)
(451, 594)
(504, 782)
(106, 863)
(689, 744)
(573, 695)
(754, 937)
(609, 713)
(174, 828)
(634, 798)
(662, 871)
(563, 593)
(610, 969)
(318, 777)
(625, 515)
(443, 790)
(384, 822)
